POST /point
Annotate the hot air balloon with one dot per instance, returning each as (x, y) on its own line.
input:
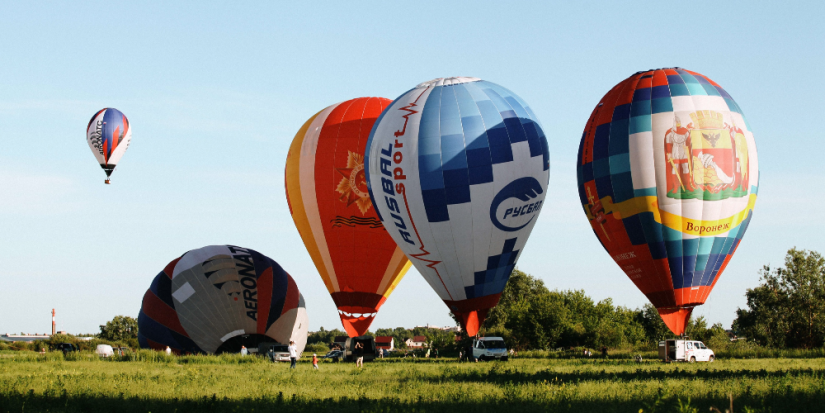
(218, 298)
(458, 171)
(327, 194)
(108, 134)
(667, 175)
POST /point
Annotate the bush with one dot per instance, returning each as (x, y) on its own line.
(318, 348)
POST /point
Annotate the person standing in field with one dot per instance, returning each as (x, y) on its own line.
(315, 361)
(359, 354)
(428, 353)
(168, 351)
(435, 352)
(244, 351)
(293, 354)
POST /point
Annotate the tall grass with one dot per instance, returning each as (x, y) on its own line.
(152, 381)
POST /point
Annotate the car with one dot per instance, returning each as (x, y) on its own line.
(275, 351)
(335, 355)
(104, 350)
(66, 348)
(490, 348)
(685, 350)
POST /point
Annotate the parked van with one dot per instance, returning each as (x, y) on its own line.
(104, 350)
(685, 350)
(490, 348)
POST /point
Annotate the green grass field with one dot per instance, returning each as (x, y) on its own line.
(155, 383)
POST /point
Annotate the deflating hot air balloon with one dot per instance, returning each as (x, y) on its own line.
(327, 194)
(108, 134)
(458, 171)
(668, 174)
(218, 298)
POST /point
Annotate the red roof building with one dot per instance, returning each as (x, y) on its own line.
(385, 342)
(416, 342)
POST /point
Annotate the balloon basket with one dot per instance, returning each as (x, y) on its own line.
(107, 182)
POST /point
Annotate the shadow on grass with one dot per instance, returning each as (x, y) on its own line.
(503, 375)
(786, 402)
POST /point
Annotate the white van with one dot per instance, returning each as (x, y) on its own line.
(489, 348)
(104, 350)
(685, 350)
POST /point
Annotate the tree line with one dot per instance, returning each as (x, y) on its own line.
(786, 310)
(530, 316)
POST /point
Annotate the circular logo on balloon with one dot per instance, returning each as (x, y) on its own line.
(358, 182)
(513, 216)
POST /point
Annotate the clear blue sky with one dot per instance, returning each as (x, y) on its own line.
(215, 93)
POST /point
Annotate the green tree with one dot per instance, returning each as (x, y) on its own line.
(537, 323)
(520, 286)
(442, 340)
(650, 320)
(697, 328)
(323, 336)
(788, 308)
(121, 328)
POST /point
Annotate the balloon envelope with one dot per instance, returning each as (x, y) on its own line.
(218, 298)
(327, 194)
(458, 171)
(108, 135)
(667, 174)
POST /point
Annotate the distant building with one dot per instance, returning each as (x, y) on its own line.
(416, 342)
(385, 342)
(28, 338)
(24, 337)
(454, 329)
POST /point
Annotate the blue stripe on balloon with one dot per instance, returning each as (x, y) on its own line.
(112, 120)
(162, 288)
(429, 143)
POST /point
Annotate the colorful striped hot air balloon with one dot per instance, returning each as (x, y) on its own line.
(327, 194)
(458, 170)
(668, 175)
(108, 135)
(218, 298)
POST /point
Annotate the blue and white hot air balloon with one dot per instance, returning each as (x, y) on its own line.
(458, 170)
(108, 134)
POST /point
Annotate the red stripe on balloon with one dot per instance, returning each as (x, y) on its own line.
(291, 300)
(170, 268)
(115, 135)
(156, 309)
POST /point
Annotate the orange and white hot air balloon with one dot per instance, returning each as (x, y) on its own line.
(328, 198)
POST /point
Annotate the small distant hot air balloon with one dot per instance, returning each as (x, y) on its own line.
(108, 134)
(327, 194)
(668, 174)
(218, 298)
(458, 171)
